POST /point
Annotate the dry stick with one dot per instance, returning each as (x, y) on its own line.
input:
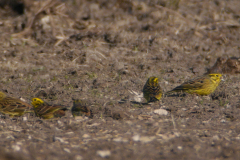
(173, 121)
(31, 21)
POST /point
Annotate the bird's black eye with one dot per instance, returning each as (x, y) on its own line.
(216, 75)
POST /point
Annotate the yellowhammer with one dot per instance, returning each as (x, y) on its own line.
(80, 108)
(152, 91)
(203, 85)
(13, 106)
(46, 111)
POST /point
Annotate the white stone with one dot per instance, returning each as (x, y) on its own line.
(147, 139)
(180, 147)
(86, 136)
(120, 139)
(104, 153)
(24, 118)
(78, 157)
(136, 137)
(67, 150)
(16, 147)
(215, 138)
(223, 121)
(161, 112)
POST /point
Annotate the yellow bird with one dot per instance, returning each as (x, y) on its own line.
(152, 91)
(203, 85)
(13, 106)
(46, 111)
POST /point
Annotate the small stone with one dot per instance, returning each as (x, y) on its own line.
(120, 139)
(60, 123)
(86, 136)
(161, 112)
(22, 99)
(180, 147)
(146, 139)
(93, 125)
(104, 153)
(24, 118)
(223, 121)
(78, 157)
(215, 138)
(68, 133)
(67, 150)
(16, 147)
(136, 137)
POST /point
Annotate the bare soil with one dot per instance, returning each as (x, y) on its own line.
(104, 51)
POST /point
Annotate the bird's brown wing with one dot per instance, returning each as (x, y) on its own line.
(47, 111)
(46, 108)
(193, 84)
(14, 106)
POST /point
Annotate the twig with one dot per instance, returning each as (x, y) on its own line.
(173, 121)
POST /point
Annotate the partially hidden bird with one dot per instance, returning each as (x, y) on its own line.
(81, 108)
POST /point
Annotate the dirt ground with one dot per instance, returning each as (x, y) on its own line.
(104, 51)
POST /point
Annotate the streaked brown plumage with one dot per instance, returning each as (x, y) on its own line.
(46, 111)
(152, 91)
(80, 108)
(13, 106)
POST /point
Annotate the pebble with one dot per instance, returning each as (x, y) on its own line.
(120, 139)
(104, 153)
(180, 147)
(24, 118)
(86, 136)
(147, 139)
(16, 147)
(78, 157)
(215, 138)
(223, 121)
(136, 138)
(161, 112)
(67, 150)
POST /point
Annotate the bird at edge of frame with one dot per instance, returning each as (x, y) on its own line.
(13, 107)
(203, 85)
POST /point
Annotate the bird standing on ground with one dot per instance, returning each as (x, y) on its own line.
(46, 111)
(13, 106)
(203, 85)
(80, 108)
(152, 91)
